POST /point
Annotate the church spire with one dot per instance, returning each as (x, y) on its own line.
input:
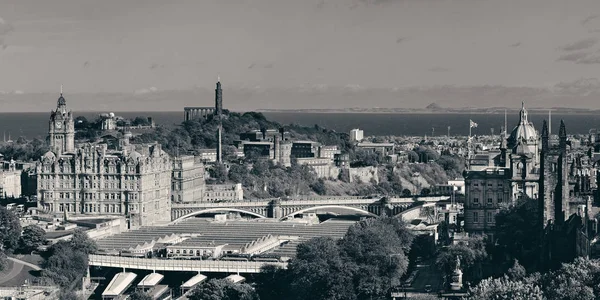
(545, 136)
(562, 136)
(523, 113)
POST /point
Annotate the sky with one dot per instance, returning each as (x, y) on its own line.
(300, 54)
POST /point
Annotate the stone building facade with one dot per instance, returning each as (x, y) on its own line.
(133, 181)
(92, 181)
(10, 181)
(486, 192)
(187, 184)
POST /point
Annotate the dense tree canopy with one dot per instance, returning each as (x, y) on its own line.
(223, 289)
(66, 262)
(10, 229)
(365, 264)
(33, 237)
(518, 235)
(472, 253)
(24, 150)
(504, 288)
(81, 242)
(577, 280)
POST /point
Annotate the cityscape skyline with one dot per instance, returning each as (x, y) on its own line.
(544, 52)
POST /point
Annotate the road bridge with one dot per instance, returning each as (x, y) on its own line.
(155, 264)
(284, 208)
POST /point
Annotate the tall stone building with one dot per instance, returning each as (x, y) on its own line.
(556, 179)
(511, 176)
(93, 180)
(61, 128)
(187, 184)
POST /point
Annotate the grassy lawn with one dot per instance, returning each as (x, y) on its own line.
(35, 259)
(16, 274)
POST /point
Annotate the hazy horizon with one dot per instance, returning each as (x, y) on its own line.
(299, 54)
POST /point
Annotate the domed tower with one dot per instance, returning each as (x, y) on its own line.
(524, 134)
(61, 128)
(523, 144)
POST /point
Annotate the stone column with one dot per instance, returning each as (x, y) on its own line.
(275, 209)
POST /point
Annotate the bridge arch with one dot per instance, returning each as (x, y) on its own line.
(209, 210)
(330, 206)
(414, 212)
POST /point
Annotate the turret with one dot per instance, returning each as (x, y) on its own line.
(545, 137)
(562, 136)
(218, 98)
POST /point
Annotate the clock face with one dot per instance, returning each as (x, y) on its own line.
(59, 125)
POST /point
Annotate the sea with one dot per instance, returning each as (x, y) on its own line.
(35, 125)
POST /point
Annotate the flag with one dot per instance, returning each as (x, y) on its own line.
(473, 124)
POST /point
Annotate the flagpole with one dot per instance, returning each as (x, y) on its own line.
(469, 140)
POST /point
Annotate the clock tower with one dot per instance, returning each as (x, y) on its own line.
(62, 128)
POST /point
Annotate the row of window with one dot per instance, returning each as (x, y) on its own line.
(88, 196)
(499, 184)
(490, 200)
(489, 217)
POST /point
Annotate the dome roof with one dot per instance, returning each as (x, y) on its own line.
(134, 155)
(49, 156)
(523, 132)
(61, 101)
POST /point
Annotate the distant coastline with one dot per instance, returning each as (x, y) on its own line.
(494, 110)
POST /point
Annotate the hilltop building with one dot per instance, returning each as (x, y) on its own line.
(356, 135)
(196, 112)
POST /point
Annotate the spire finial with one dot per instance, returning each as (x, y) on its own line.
(522, 104)
(218, 78)
(61, 89)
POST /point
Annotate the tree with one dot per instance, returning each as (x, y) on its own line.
(516, 272)
(319, 187)
(518, 234)
(318, 272)
(3, 261)
(10, 229)
(272, 283)
(379, 249)
(412, 156)
(453, 165)
(68, 295)
(219, 173)
(223, 289)
(139, 295)
(577, 280)
(33, 237)
(472, 255)
(504, 288)
(82, 242)
(425, 191)
(406, 192)
(64, 264)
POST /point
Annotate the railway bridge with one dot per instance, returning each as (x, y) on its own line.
(285, 208)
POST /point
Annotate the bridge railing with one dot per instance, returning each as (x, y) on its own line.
(179, 265)
(219, 204)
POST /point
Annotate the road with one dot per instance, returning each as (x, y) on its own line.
(428, 274)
